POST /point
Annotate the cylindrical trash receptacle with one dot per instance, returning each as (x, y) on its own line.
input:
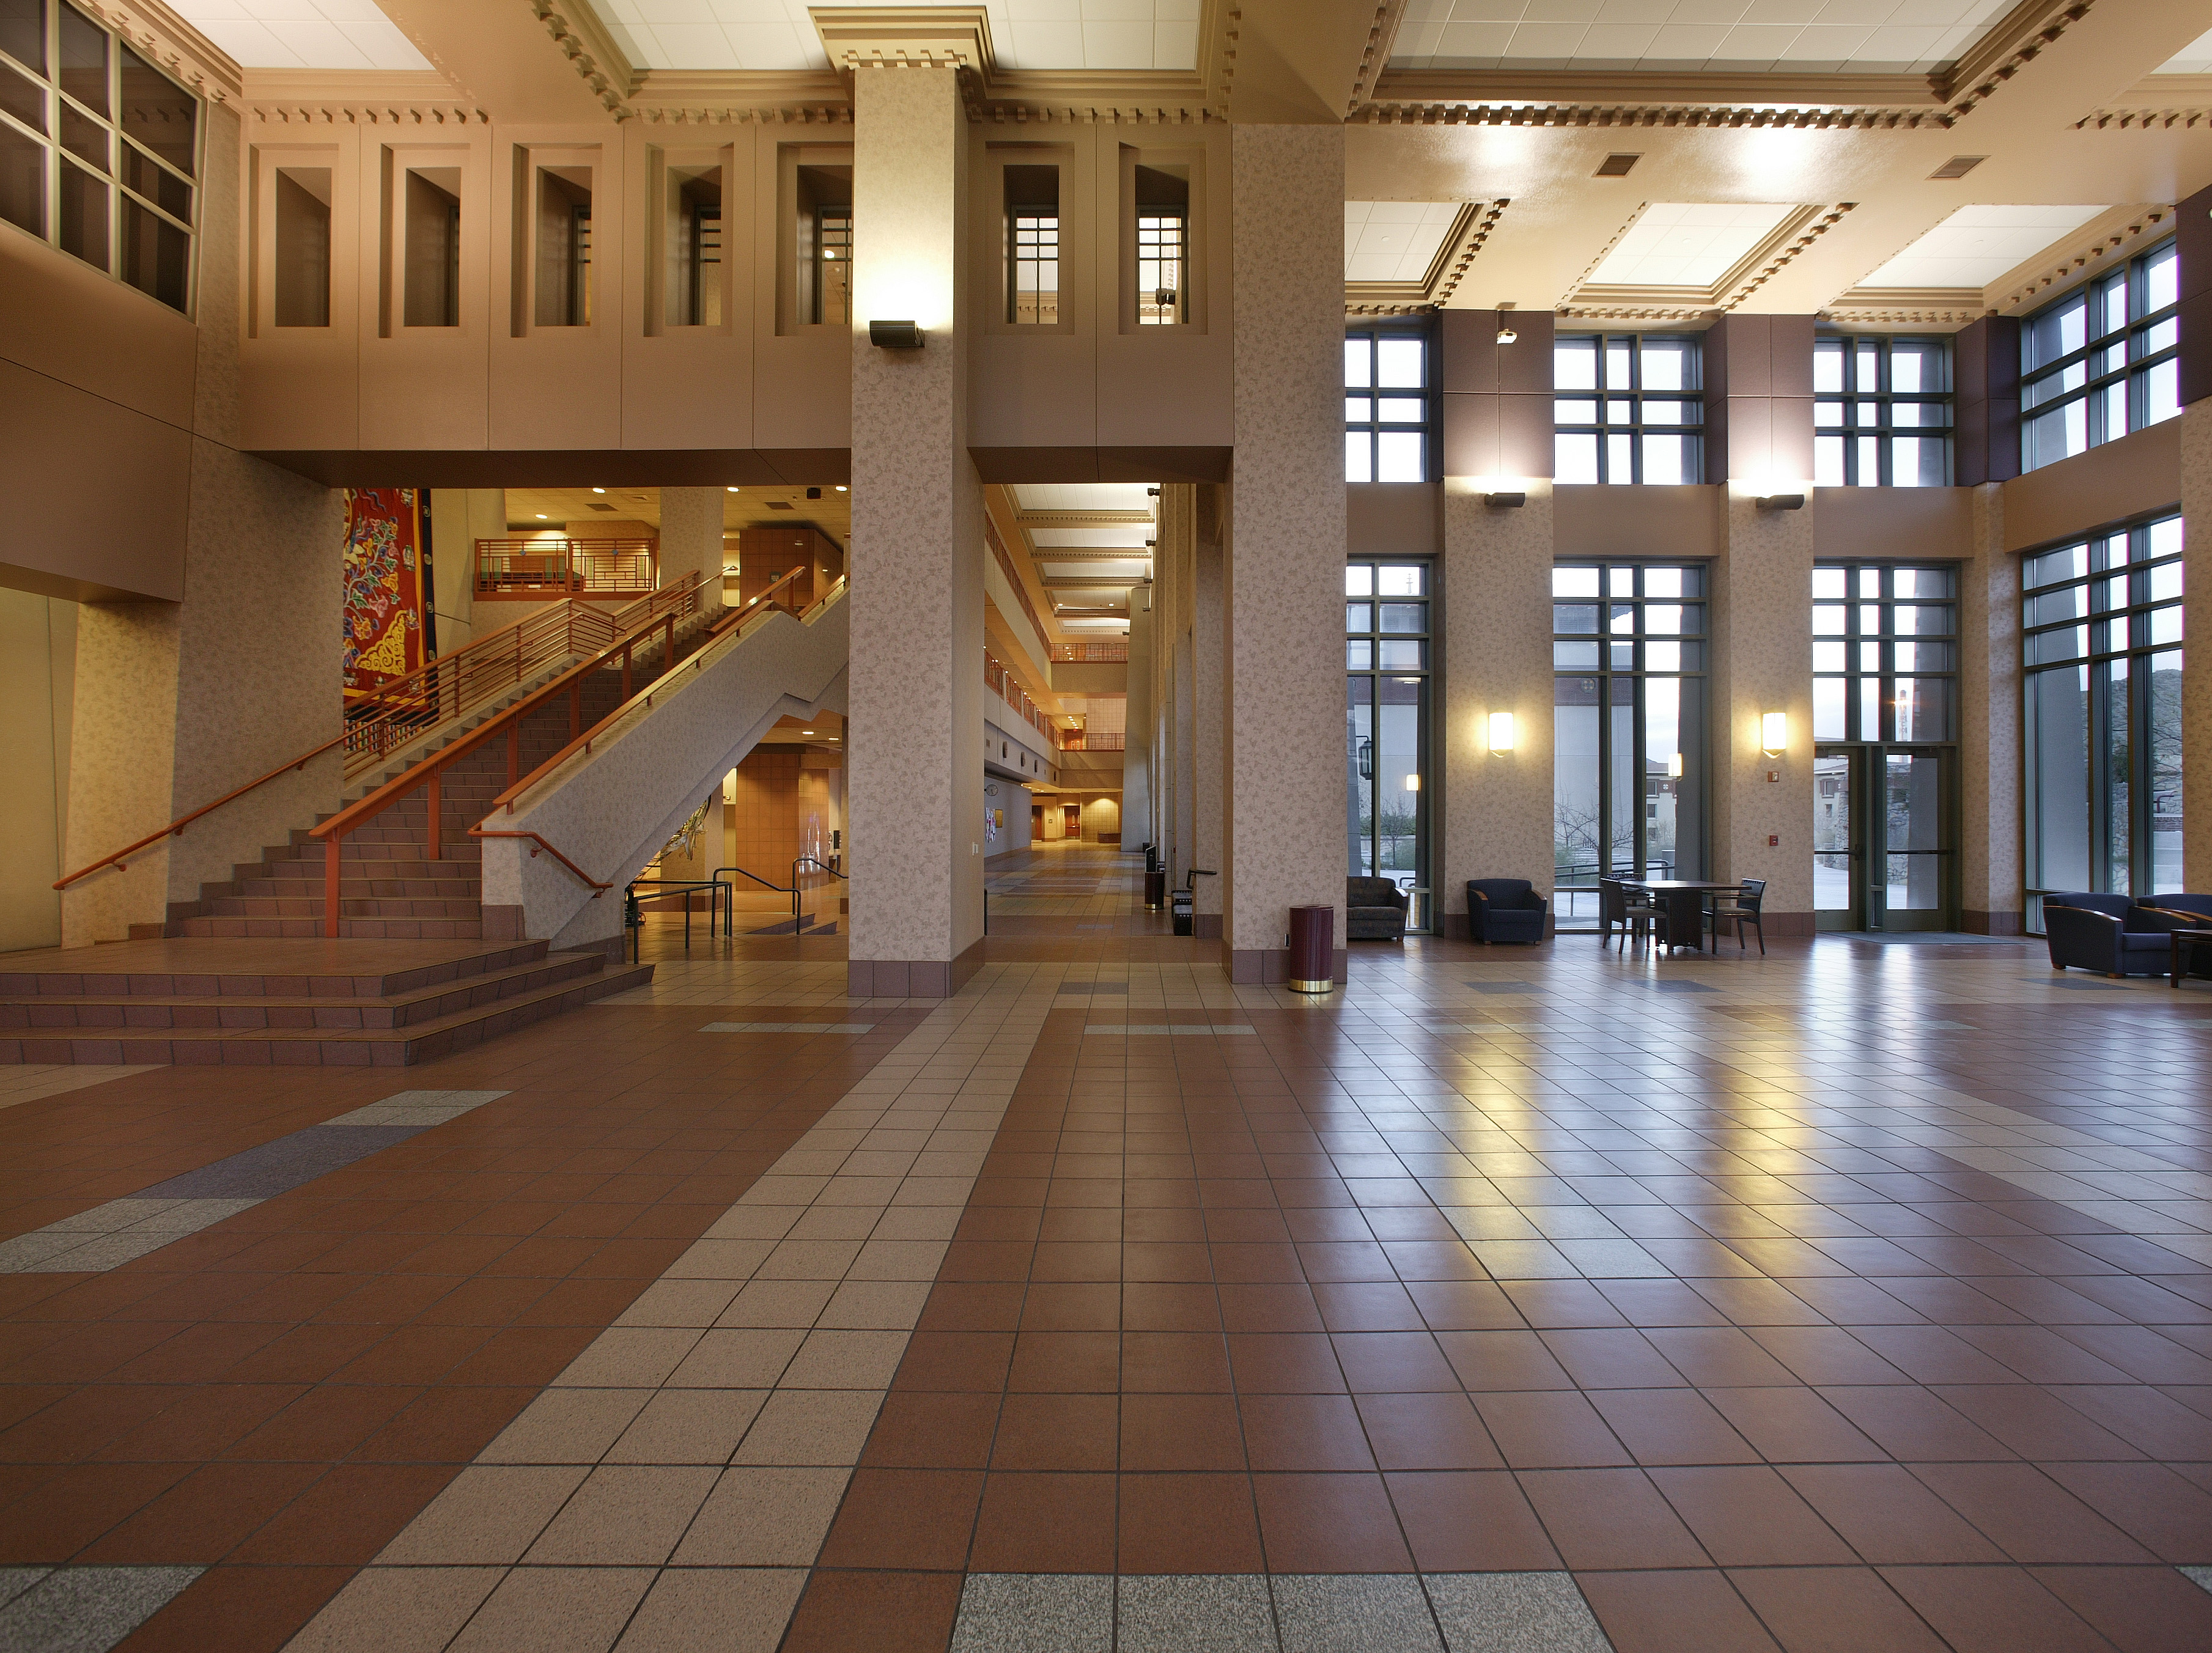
(1313, 949)
(1155, 889)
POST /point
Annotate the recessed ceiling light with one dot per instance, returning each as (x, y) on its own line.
(599, 491)
(729, 490)
(841, 487)
(807, 732)
(541, 516)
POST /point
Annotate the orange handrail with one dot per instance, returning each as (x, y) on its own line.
(597, 887)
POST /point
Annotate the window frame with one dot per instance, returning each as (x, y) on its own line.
(59, 156)
(1885, 674)
(1427, 798)
(2135, 371)
(1883, 398)
(1373, 428)
(1601, 395)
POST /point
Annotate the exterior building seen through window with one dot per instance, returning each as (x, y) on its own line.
(1388, 663)
(98, 149)
(1389, 406)
(1629, 728)
(2101, 622)
(1627, 408)
(2102, 361)
(1881, 412)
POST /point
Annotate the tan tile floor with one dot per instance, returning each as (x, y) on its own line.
(1855, 1297)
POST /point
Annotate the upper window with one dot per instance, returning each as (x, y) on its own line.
(98, 149)
(1033, 246)
(1387, 405)
(1628, 409)
(1882, 413)
(2102, 361)
(1885, 653)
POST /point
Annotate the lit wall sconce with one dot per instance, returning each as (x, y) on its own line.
(1413, 783)
(895, 335)
(1674, 767)
(1774, 732)
(1501, 731)
(1782, 502)
(1504, 502)
(1507, 336)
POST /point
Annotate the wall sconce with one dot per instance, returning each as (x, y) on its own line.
(1507, 336)
(1413, 783)
(1501, 731)
(1774, 732)
(895, 335)
(1674, 767)
(1504, 502)
(1782, 502)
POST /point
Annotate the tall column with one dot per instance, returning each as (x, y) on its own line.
(2197, 663)
(1496, 606)
(1140, 820)
(1989, 758)
(915, 750)
(1172, 576)
(1285, 597)
(1208, 744)
(691, 538)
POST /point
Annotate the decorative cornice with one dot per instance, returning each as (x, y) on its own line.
(2015, 292)
(1797, 231)
(171, 44)
(355, 97)
(2015, 42)
(2195, 114)
(1387, 110)
(599, 62)
(1381, 36)
(1845, 312)
(1217, 50)
(1575, 312)
(906, 37)
(1806, 231)
(1468, 233)
(2120, 231)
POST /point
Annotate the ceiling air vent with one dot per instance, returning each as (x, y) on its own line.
(779, 505)
(1617, 166)
(597, 505)
(1958, 165)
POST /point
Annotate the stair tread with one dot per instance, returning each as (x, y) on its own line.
(409, 996)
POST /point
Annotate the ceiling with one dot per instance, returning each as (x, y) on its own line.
(751, 507)
(1975, 245)
(1394, 240)
(302, 33)
(1830, 36)
(1087, 546)
(1686, 244)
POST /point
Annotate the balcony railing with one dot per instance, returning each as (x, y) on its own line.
(1100, 653)
(541, 569)
(1092, 740)
(1002, 683)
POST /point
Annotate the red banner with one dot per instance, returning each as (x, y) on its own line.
(387, 586)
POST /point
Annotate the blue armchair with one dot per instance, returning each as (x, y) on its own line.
(2178, 912)
(2109, 935)
(1505, 910)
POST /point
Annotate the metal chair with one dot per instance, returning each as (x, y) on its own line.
(1615, 906)
(1744, 909)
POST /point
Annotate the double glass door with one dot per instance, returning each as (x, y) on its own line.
(1882, 838)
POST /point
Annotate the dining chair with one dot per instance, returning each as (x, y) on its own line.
(1744, 909)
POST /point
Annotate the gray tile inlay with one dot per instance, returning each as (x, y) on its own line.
(279, 1166)
(1196, 1612)
(1094, 987)
(1678, 986)
(2201, 1576)
(87, 1609)
(14, 1580)
(1514, 1612)
(1502, 986)
(1040, 1613)
(1164, 1029)
(1353, 1613)
(789, 1027)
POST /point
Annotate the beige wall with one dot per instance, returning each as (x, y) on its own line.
(38, 680)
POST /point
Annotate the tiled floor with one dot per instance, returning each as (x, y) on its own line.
(1855, 1297)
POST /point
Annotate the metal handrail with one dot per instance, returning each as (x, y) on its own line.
(598, 888)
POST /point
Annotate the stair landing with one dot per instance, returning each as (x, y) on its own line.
(309, 1002)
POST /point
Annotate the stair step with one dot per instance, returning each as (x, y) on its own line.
(309, 972)
(306, 929)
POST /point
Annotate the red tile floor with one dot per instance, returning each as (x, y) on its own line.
(1859, 1298)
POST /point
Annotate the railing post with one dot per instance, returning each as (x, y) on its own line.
(513, 751)
(331, 864)
(436, 791)
(576, 710)
(626, 643)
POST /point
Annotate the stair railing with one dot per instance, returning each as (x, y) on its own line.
(411, 706)
(659, 613)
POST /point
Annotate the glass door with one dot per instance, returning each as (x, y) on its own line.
(1387, 676)
(1839, 856)
(1915, 868)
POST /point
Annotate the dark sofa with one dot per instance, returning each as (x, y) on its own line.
(1505, 910)
(1374, 910)
(2109, 935)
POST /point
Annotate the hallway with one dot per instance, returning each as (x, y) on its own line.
(1857, 1296)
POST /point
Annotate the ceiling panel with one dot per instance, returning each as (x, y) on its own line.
(2195, 58)
(1394, 240)
(1024, 33)
(1976, 245)
(1804, 36)
(1120, 569)
(302, 33)
(1131, 537)
(1084, 496)
(1686, 244)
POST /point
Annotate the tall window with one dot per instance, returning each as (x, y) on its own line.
(1387, 666)
(1882, 413)
(1885, 653)
(1388, 404)
(1627, 410)
(98, 149)
(1629, 748)
(2102, 361)
(1160, 259)
(2102, 625)
(1033, 246)
(831, 288)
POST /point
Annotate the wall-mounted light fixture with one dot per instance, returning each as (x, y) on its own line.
(1505, 333)
(895, 335)
(1413, 783)
(1507, 336)
(1773, 733)
(1501, 731)
(1782, 502)
(1674, 767)
(1504, 502)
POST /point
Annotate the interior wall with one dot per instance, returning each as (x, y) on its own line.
(38, 671)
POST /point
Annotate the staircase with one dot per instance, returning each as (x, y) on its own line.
(291, 1003)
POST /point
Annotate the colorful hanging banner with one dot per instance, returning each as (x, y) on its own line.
(388, 615)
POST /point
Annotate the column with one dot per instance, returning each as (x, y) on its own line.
(916, 748)
(2193, 225)
(1172, 575)
(1496, 607)
(1140, 817)
(1991, 770)
(691, 538)
(1285, 586)
(1208, 741)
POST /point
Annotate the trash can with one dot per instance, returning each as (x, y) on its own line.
(1313, 949)
(1180, 907)
(1155, 889)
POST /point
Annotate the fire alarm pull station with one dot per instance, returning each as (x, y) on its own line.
(1773, 840)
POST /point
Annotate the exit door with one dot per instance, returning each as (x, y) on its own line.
(1073, 819)
(1882, 838)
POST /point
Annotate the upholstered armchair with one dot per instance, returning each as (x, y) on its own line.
(2109, 935)
(1374, 910)
(1505, 910)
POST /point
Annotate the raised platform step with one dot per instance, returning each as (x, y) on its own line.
(303, 929)
(365, 906)
(316, 967)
